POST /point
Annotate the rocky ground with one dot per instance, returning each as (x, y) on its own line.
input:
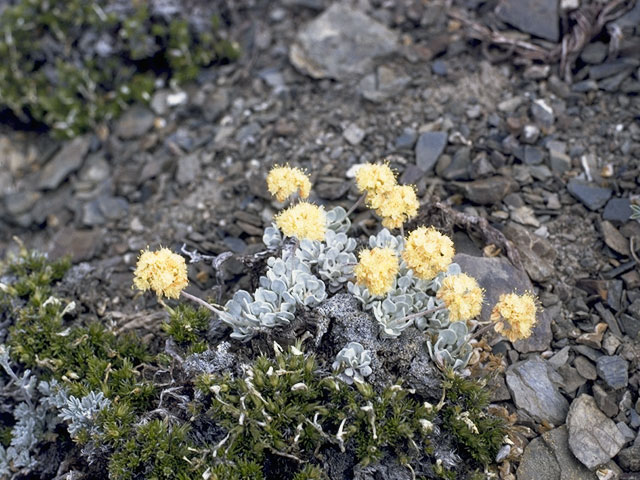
(549, 155)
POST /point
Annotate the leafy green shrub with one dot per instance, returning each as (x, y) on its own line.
(188, 327)
(73, 65)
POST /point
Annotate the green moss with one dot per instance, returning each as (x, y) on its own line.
(310, 472)
(154, 451)
(283, 407)
(467, 403)
(5, 435)
(53, 74)
(188, 327)
(85, 358)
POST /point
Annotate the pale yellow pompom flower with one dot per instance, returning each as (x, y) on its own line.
(162, 271)
(462, 296)
(515, 315)
(396, 206)
(303, 220)
(377, 269)
(283, 182)
(428, 252)
(375, 179)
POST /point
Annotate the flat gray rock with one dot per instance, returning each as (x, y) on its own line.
(614, 370)
(429, 148)
(591, 196)
(134, 123)
(593, 438)
(537, 17)
(548, 457)
(65, 162)
(497, 276)
(340, 43)
(533, 390)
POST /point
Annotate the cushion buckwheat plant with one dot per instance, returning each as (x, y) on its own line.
(211, 402)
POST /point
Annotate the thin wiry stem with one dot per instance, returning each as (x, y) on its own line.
(199, 301)
(422, 313)
(357, 204)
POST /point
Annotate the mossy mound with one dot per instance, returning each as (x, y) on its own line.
(76, 64)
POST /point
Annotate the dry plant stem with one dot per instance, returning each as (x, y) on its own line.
(357, 204)
(199, 301)
(482, 331)
(589, 20)
(422, 313)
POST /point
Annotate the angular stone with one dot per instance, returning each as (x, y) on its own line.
(533, 391)
(188, 169)
(20, 202)
(384, 84)
(593, 438)
(65, 162)
(594, 53)
(614, 370)
(353, 134)
(113, 208)
(543, 112)
(81, 245)
(135, 122)
(629, 458)
(538, 17)
(614, 239)
(593, 197)
(617, 210)
(497, 276)
(548, 457)
(585, 367)
(340, 43)
(536, 253)
(487, 191)
(429, 148)
(407, 139)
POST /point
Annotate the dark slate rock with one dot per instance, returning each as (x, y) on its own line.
(614, 370)
(429, 148)
(458, 169)
(383, 84)
(630, 325)
(81, 245)
(487, 191)
(65, 162)
(340, 43)
(629, 458)
(497, 276)
(113, 208)
(407, 139)
(188, 169)
(617, 210)
(591, 196)
(548, 457)
(612, 68)
(538, 17)
(532, 384)
(594, 53)
(533, 155)
(593, 438)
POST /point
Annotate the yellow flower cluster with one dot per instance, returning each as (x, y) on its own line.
(375, 179)
(428, 252)
(462, 295)
(163, 271)
(377, 269)
(515, 315)
(394, 203)
(303, 220)
(283, 182)
(396, 206)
